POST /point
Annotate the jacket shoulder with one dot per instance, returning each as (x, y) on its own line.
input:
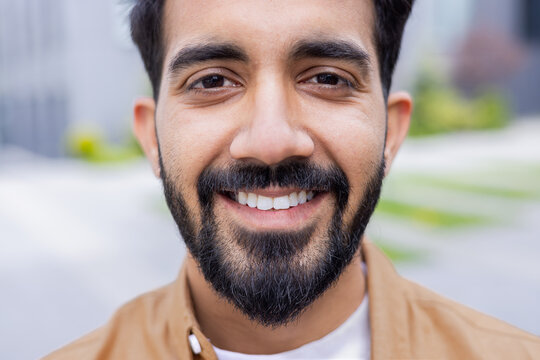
(134, 323)
(447, 322)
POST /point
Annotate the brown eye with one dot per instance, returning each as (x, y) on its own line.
(213, 81)
(328, 79)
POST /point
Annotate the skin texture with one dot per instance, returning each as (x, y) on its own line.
(271, 108)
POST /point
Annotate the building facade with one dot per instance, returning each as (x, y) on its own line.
(62, 64)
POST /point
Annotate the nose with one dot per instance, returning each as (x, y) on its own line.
(273, 132)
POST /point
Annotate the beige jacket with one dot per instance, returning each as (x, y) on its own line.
(407, 322)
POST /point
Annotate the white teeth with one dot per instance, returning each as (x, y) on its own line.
(278, 203)
(293, 199)
(281, 203)
(252, 200)
(242, 198)
(264, 203)
(302, 197)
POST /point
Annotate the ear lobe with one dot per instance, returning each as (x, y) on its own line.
(145, 130)
(399, 118)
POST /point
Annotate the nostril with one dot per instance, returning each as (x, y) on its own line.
(269, 152)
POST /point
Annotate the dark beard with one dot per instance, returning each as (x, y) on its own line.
(275, 287)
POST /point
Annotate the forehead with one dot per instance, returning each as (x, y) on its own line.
(266, 27)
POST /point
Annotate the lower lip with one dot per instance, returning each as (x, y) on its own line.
(296, 217)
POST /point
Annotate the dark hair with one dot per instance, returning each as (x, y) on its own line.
(146, 19)
(391, 16)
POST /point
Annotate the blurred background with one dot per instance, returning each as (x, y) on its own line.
(83, 223)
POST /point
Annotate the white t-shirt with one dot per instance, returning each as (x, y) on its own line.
(351, 340)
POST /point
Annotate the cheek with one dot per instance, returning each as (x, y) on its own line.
(190, 141)
(364, 153)
(352, 137)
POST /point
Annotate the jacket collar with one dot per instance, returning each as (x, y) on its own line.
(388, 306)
(183, 323)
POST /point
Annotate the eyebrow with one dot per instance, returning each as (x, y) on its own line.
(332, 49)
(205, 52)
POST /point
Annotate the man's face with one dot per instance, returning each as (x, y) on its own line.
(271, 128)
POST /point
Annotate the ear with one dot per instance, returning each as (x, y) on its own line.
(399, 117)
(145, 130)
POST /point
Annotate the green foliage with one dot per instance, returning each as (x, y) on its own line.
(85, 144)
(399, 254)
(488, 190)
(428, 216)
(439, 108)
(90, 144)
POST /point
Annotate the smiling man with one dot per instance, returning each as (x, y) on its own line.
(272, 128)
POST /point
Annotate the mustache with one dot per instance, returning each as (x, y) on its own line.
(292, 173)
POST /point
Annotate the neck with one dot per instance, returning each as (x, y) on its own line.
(228, 329)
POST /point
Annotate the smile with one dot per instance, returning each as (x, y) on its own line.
(273, 208)
(282, 202)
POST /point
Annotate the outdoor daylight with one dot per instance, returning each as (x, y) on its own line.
(84, 225)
